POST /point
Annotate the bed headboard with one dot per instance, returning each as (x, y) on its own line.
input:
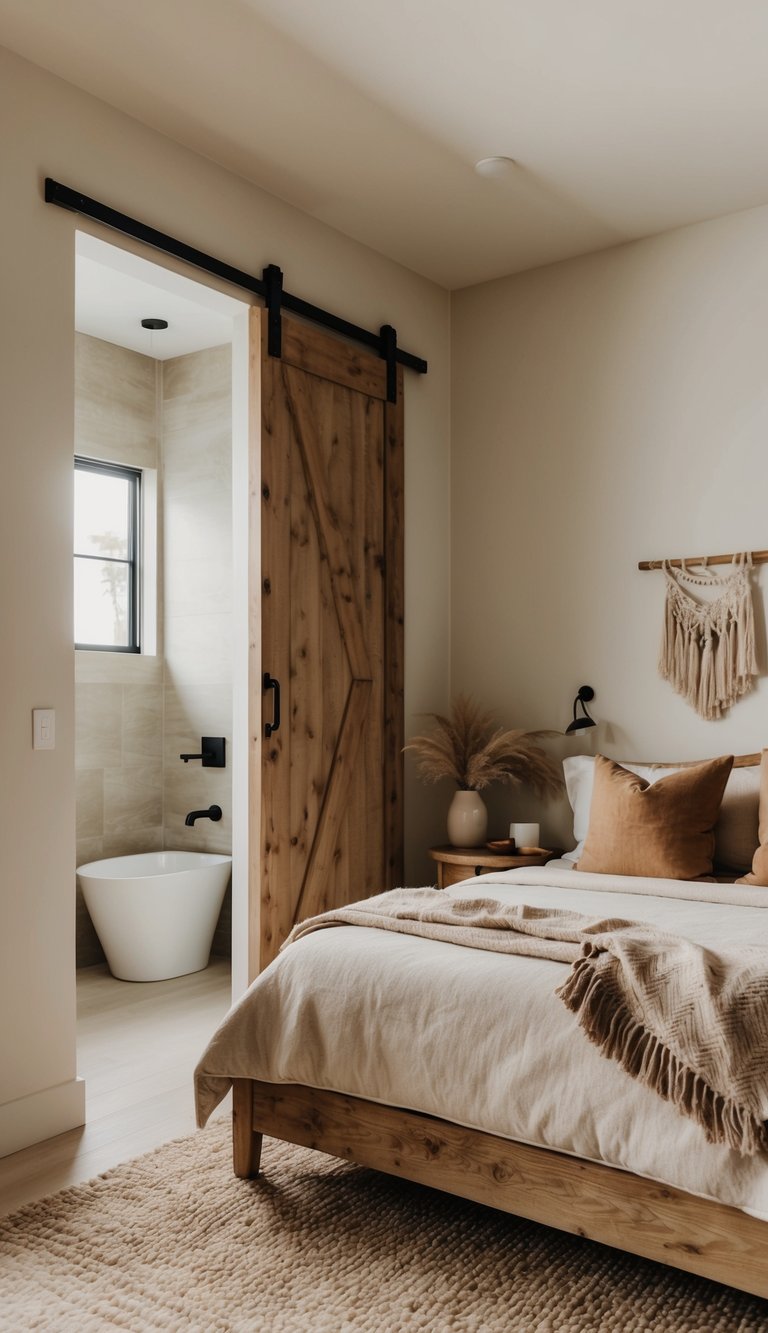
(740, 761)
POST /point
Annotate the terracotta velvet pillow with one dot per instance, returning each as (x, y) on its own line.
(759, 872)
(664, 829)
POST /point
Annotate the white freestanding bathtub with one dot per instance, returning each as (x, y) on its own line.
(156, 913)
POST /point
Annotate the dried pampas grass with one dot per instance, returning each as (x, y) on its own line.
(473, 751)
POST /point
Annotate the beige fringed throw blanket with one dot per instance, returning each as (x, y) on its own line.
(690, 1024)
(708, 647)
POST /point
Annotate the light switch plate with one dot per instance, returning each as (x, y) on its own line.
(43, 729)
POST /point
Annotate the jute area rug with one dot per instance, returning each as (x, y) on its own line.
(175, 1241)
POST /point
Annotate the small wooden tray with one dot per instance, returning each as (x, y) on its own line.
(506, 845)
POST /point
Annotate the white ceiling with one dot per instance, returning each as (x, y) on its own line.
(115, 290)
(627, 117)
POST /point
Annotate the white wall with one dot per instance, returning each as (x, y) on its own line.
(59, 131)
(607, 410)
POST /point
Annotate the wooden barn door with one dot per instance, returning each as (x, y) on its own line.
(331, 630)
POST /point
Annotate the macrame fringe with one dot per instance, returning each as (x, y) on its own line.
(591, 994)
(708, 648)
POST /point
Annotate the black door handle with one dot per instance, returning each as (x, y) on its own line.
(271, 684)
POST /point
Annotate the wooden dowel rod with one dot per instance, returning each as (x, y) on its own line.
(758, 558)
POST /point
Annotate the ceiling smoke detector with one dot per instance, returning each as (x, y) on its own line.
(495, 166)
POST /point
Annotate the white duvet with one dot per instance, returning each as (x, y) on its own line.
(480, 1038)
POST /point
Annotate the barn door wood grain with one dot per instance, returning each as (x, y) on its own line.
(331, 586)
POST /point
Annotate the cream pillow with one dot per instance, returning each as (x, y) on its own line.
(759, 871)
(736, 830)
(663, 829)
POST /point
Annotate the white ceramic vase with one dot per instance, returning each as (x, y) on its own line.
(467, 820)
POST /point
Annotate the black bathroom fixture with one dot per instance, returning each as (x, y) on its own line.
(154, 324)
(585, 696)
(213, 752)
(213, 812)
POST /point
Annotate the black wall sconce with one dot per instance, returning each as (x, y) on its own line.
(585, 696)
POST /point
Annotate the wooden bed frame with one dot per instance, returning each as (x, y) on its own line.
(597, 1202)
(584, 1198)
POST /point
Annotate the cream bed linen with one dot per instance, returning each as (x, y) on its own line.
(480, 1039)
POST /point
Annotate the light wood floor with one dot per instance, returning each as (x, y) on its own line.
(137, 1045)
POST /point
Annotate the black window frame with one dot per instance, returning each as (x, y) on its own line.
(133, 476)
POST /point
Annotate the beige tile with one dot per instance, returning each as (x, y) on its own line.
(115, 403)
(88, 849)
(192, 782)
(204, 837)
(196, 789)
(197, 451)
(98, 726)
(93, 668)
(133, 799)
(89, 803)
(198, 377)
(197, 524)
(191, 787)
(132, 842)
(199, 586)
(198, 650)
(142, 722)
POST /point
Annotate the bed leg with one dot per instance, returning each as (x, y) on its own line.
(246, 1144)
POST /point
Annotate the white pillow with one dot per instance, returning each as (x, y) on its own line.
(736, 836)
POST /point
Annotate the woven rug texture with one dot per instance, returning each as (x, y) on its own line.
(174, 1241)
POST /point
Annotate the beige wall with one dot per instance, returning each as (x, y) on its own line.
(59, 131)
(606, 410)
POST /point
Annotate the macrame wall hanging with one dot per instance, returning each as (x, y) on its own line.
(708, 642)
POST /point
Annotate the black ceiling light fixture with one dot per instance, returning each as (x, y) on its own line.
(154, 324)
(585, 696)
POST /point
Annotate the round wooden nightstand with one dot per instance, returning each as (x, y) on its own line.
(456, 863)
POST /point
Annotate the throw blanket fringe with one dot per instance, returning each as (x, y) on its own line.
(690, 1025)
(594, 997)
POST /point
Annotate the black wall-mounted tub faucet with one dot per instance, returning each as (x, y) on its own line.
(213, 812)
(213, 752)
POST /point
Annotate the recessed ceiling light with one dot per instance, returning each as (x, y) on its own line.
(495, 166)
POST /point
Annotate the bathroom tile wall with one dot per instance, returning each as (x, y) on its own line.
(119, 697)
(115, 403)
(197, 491)
(137, 714)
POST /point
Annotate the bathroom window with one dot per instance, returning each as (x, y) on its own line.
(107, 515)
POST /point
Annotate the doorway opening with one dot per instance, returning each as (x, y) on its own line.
(161, 667)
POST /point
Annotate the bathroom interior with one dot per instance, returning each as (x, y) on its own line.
(156, 400)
